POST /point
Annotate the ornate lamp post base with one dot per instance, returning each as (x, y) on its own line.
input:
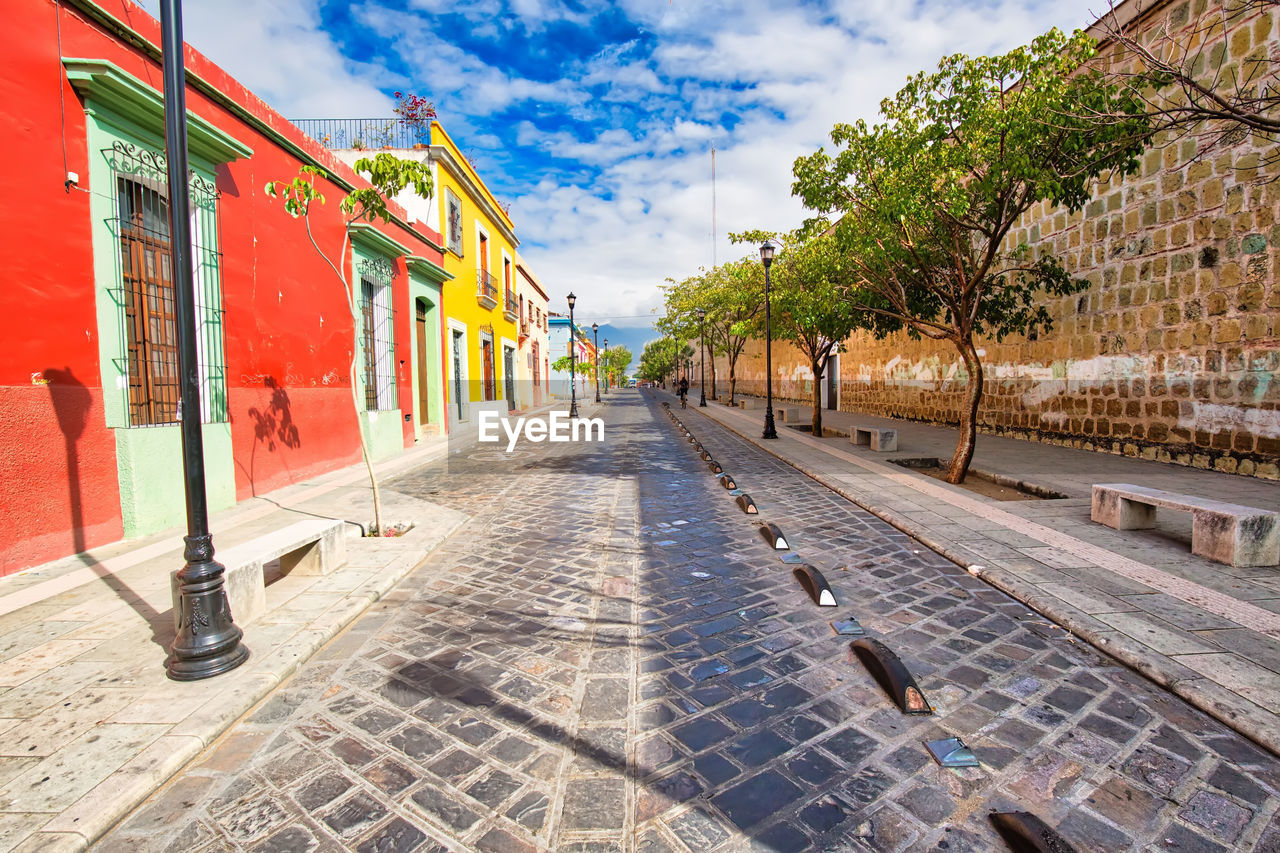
(769, 430)
(208, 641)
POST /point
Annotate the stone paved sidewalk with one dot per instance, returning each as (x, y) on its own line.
(89, 723)
(1209, 632)
(610, 657)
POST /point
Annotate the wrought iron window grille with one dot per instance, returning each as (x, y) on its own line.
(377, 340)
(143, 290)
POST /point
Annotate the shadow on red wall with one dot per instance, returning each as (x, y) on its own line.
(72, 404)
(273, 426)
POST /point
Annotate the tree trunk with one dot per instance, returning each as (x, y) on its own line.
(711, 358)
(733, 378)
(341, 270)
(817, 399)
(959, 466)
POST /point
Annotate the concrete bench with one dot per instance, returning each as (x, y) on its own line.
(311, 547)
(751, 403)
(792, 414)
(879, 440)
(1224, 532)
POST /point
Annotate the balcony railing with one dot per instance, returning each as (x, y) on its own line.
(365, 132)
(510, 308)
(486, 289)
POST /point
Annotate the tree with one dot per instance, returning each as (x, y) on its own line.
(614, 362)
(566, 364)
(680, 320)
(1192, 78)
(388, 176)
(807, 299)
(658, 360)
(927, 199)
(734, 295)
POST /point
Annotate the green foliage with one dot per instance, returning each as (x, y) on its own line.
(926, 200)
(615, 361)
(658, 360)
(573, 367)
(388, 174)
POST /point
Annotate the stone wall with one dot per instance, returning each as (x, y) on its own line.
(1173, 351)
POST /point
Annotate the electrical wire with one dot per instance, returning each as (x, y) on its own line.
(62, 97)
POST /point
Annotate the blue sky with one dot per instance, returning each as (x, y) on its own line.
(596, 119)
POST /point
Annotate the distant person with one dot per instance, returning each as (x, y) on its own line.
(683, 390)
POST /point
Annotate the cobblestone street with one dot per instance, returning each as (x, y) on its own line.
(610, 656)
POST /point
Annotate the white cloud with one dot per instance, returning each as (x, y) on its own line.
(762, 81)
(278, 49)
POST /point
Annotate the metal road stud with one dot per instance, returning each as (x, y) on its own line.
(848, 627)
(746, 504)
(1026, 833)
(892, 675)
(951, 752)
(714, 466)
(815, 585)
(774, 536)
(726, 480)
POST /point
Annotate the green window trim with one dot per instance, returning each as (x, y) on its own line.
(367, 236)
(106, 83)
(428, 269)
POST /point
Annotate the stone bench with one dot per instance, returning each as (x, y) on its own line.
(312, 547)
(879, 440)
(1224, 532)
(792, 414)
(751, 403)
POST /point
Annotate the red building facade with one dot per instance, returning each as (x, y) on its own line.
(89, 447)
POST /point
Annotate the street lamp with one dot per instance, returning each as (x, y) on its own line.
(573, 363)
(702, 355)
(766, 257)
(595, 338)
(606, 364)
(208, 640)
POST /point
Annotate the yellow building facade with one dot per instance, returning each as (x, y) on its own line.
(481, 308)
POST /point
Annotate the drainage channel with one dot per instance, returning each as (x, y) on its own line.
(1020, 830)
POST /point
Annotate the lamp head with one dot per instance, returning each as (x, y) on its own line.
(701, 313)
(595, 327)
(572, 299)
(767, 250)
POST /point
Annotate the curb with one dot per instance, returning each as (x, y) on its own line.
(1225, 706)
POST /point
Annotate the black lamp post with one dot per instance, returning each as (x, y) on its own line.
(208, 641)
(573, 363)
(595, 342)
(606, 365)
(702, 356)
(770, 431)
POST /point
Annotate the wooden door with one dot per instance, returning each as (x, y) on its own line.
(486, 351)
(424, 395)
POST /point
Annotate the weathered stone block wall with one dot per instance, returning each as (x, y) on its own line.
(1173, 351)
